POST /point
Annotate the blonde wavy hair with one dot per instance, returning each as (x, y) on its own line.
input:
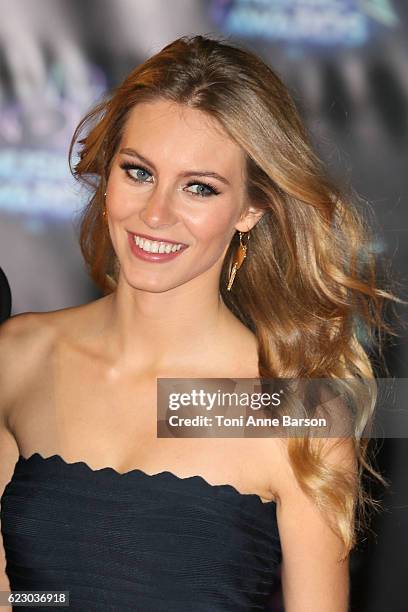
(310, 280)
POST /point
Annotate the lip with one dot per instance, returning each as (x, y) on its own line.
(153, 257)
(153, 239)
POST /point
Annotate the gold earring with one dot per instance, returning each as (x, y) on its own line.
(240, 255)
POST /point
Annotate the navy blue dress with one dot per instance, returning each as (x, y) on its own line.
(134, 541)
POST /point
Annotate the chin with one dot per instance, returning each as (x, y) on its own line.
(146, 284)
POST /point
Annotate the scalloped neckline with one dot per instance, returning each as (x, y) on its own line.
(139, 471)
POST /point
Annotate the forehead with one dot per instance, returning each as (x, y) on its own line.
(165, 131)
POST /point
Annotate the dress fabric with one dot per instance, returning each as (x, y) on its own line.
(135, 541)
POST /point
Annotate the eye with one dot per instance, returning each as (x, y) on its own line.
(202, 194)
(136, 173)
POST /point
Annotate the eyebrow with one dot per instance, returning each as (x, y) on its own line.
(134, 153)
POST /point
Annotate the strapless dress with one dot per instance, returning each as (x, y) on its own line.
(135, 541)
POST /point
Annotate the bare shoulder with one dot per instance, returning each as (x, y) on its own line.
(23, 339)
(27, 340)
(17, 333)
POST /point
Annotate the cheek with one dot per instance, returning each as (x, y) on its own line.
(212, 226)
(120, 201)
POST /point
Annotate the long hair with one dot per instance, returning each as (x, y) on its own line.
(309, 283)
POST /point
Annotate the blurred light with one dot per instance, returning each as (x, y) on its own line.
(327, 23)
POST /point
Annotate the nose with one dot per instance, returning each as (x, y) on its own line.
(159, 210)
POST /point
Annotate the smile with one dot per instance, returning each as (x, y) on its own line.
(153, 246)
(156, 251)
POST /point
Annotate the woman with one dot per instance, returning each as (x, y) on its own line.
(222, 250)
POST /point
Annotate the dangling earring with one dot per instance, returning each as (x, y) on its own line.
(240, 255)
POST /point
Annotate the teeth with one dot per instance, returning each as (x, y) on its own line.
(156, 247)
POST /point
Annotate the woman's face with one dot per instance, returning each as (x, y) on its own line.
(176, 178)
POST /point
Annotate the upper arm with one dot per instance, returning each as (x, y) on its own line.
(313, 578)
(13, 338)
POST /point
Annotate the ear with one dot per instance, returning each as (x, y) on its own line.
(249, 219)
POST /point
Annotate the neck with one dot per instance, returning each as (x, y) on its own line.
(164, 331)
